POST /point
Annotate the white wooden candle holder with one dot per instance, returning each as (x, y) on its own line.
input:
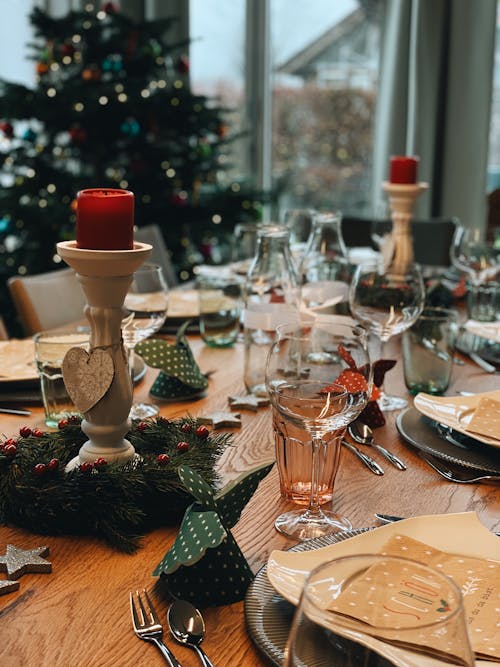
(399, 246)
(105, 276)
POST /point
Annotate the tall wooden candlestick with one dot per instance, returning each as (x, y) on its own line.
(105, 276)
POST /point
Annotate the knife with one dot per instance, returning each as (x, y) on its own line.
(388, 518)
(13, 411)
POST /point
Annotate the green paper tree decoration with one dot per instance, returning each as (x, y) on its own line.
(180, 375)
(205, 564)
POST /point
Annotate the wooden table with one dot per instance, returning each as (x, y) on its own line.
(78, 616)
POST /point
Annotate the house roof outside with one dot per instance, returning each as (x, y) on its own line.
(345, 55)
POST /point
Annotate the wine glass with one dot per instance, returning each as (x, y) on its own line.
(387, 300)
(309, 374)
(480, 262)
(378, 610)
(145, 309)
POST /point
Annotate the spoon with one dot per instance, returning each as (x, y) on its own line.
(363, 434)
(187, 626)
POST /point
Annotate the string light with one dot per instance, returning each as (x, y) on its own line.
(51, 92)
(78, 106)
(216, 219)
(103, 100)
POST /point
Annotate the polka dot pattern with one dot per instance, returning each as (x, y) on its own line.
(205, 564)
(180, 375)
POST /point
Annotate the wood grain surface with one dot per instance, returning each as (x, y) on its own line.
(78, 616)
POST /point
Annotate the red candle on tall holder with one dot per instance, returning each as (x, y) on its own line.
(105, 219)
(403, 169)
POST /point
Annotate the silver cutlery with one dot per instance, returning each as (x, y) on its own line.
(389, 518)
(454, 472)
(482, 363)
(367, 460)
(14, 411)
(363, 435)
(187, 626)
(147, 625)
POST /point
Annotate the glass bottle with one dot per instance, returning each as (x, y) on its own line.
(324, 269)
(271, 298)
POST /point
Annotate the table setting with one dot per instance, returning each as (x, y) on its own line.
(177, 525)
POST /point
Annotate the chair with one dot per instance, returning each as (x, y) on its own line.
(47, 300)
(432, 238)
(160, 255)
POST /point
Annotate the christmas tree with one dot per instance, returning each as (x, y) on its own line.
(112, 107)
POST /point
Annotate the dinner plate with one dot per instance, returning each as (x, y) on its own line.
(455, 411)
(268, 615)
(420, 431)
(461, 533)
(488, 330)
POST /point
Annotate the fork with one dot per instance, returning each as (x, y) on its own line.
(455, 474)
(147, 625)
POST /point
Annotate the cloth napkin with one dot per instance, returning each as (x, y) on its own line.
(486, 419)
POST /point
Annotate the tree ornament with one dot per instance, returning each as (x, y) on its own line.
(8, 586)
(67, 49)
(86, 467)
(87, 376)
(77, 134)
(53, 465)
(182, 64)
(9, 450)
(40, 469)
(42, 68)
(25, 431)
(163, 459)
(221, 419)
(202, 432)
(100, 462)
(182, 446)
(187, 428)
(17, 562)
(38, 433)
(248, 402)
(7, 129)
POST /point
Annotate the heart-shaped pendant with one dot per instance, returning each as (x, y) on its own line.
(87, 376)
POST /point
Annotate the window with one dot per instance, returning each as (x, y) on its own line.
(324, 73)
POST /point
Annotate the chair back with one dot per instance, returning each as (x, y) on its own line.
(152, 234)
(47, 300)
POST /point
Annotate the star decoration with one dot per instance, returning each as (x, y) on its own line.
(249, 402)
(17, 562)
(221, 419)
(7, 586)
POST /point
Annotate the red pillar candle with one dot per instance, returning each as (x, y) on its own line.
(105, 219)
(403, 169)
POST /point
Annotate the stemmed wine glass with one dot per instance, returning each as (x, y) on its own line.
(387, 300)
(355, 610)
(308, 386)
(473, 255)
(145, 309)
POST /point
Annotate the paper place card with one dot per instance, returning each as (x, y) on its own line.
(479, 582)
(486, 419)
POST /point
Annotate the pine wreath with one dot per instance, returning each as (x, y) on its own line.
(115, 502)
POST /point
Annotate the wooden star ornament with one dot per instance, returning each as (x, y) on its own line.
(220, 419)
(17, 562)
(249, 402)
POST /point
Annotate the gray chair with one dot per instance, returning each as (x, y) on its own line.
(152, 234)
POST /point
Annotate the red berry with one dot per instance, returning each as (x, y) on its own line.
(62, 423)
(202, 432)
(8, 442)
(186, 428)
(100, 462)
(53, 464)
(74, 419)
(9, 450)
(142, 426)
(163, 459)
(86, 467)
(25, 432)
(40, 469)
(38, 433)
(182, 446)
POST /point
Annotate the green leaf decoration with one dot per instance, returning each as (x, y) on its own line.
(234, 496)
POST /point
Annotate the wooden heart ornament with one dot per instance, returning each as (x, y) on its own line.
(87, 376)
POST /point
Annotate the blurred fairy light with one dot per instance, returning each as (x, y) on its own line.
(42, 203)
(101, 15)
(56, 259)
(30, 173)
(165, 164)
(79, 106)
(124, 184)
(235, 187)
(175, 101)
(67, 60)
(178, 84)
(86, 25)
(51, 92)
(51, 188)
(76, 39)
(122, 97)
(170, 173)
(103, 100)
(54, 67)
(145, 92)
(216, 219)
(162, 83)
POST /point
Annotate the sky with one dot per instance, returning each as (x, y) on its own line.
(217, 27)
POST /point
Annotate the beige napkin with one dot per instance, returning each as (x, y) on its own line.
(486, 419)
(17, 360)
(406, 600)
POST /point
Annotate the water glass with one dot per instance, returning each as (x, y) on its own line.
(483, 301)
(50, 349)
(220, 301)
(428, 349)
(294, 460)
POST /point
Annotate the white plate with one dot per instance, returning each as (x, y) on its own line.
(17, 360)
(183, 304)
(488, 330)
(456, 533)
(455, 411)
